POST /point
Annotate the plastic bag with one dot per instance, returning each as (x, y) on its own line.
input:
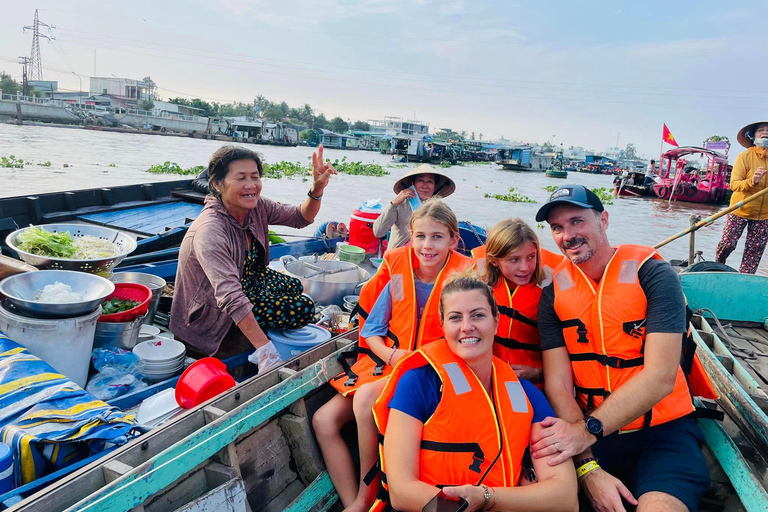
(371, 206)
(119, 373)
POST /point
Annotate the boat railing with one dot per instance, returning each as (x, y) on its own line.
(208, 437)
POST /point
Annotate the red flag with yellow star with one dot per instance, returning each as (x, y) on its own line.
(668, 137)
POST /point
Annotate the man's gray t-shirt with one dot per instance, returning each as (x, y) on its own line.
(663, 292)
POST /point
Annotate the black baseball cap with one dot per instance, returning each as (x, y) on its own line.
(578, 195)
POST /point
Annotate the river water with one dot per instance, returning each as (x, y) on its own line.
(88, 155)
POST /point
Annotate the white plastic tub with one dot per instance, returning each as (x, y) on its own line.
(63, 343)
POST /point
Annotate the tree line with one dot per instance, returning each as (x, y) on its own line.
(262, 108)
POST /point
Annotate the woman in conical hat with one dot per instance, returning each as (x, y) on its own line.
(417, 186)
(747, 178)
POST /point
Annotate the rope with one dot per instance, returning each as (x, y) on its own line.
(744, 353)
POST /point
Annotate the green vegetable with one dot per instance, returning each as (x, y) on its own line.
(117, 306)
(43, 243)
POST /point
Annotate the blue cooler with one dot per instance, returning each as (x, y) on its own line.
(292, 342)
(6, 468)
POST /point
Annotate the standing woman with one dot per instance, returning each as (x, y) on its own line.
(748, 178)
(412, 189)
(226, 296)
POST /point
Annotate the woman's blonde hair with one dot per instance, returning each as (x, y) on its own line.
(507, 236)
(467, 281)
(436, 210)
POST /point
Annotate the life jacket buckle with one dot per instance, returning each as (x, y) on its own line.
(351, 381)
(581, 330)
(378, 370)
(476, 463)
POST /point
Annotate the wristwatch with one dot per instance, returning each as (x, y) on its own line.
(316, 198)
(594, 426)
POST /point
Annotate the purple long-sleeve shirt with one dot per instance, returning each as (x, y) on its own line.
(208, 295)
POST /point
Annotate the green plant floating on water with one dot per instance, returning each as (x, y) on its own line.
(44, 164)
(66, 165)
(112, 165)
(11, 162)
(551, 188)
(445, 163)
(605, 195)
(174, 168)
(511, 197)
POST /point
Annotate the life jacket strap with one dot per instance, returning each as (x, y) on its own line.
(516, 315)
(591, 394)
(356, 351)
(372, 473)
(581, 328)
(478, 457)
(611, 361)
(515, 345)
(395, 341)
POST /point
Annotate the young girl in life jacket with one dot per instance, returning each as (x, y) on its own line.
(516, 267)
(399, 313)
(453, 393)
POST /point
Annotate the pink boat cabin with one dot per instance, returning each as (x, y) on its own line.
(693, 174)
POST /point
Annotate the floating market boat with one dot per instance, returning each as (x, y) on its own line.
(556, 173)
(693, 174)
(252, 447)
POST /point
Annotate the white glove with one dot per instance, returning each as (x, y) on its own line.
(266, 357)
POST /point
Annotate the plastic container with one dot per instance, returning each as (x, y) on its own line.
(129, 291)
(63, 343)
(203, 380)
(292, 342)
(153, 282)
(6, 468)
(117, 334)
(361, 230)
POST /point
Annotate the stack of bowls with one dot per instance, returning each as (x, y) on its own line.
(351, 254)
(162, 358)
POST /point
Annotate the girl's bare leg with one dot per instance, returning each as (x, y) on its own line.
(328, 422)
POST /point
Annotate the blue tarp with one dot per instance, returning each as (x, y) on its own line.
(48, 420)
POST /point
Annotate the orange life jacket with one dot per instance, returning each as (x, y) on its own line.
(404, 331)
(471, 438)
(604, 330)
(517, 337)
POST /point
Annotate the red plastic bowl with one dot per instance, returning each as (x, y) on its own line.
(129, 291)
(203, 380)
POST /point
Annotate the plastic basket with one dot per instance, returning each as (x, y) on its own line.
(129, 291)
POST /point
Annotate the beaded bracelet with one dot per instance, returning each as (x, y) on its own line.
(487, 496)
(389, 359)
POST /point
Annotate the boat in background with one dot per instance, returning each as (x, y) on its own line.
(693, 174)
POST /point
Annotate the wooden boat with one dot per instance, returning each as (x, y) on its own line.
(516, 159)
(556, 173)
(252, 448)
(693, 174)
(631, 188)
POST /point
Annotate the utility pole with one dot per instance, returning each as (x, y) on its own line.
(36, 71)
(24, 82)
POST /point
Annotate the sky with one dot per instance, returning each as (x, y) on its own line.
(586, 73)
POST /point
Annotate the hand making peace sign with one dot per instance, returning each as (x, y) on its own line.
(321, 171)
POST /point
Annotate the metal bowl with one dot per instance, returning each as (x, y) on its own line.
(123, 241)
(20, 290)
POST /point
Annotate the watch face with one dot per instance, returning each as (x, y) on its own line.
(594, 425)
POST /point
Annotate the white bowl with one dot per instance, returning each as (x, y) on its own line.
(160, 350)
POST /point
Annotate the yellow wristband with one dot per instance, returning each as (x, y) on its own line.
(586, 468)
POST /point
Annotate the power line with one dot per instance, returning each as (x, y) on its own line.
(389, 86)
(107, 39)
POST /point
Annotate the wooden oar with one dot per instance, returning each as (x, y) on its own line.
(709, 220)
